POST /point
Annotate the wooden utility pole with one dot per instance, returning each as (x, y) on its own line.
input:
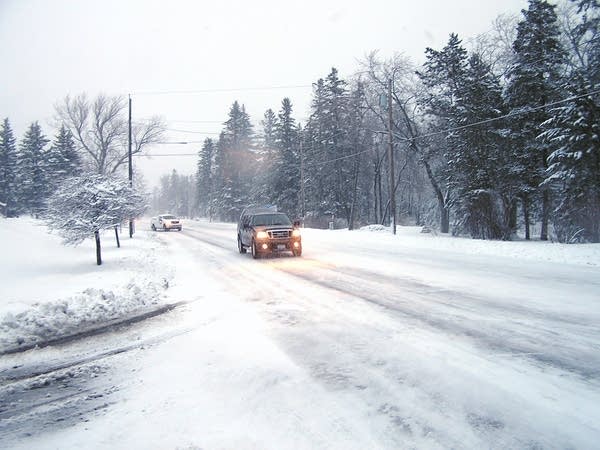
(302, 212)
(391, 160)
(130, 167)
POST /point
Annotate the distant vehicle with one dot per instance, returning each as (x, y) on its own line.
(165, 222)
(266, 231)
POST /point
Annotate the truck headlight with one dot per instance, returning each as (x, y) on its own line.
(296, 233)
(262, 235)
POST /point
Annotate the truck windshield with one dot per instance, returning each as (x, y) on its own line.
(271, 219)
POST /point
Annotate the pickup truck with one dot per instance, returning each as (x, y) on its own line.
(265, 231)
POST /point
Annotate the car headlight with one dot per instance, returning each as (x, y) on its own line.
(262, 235)
(296, 233)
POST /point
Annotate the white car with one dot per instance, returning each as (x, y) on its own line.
(165, 222)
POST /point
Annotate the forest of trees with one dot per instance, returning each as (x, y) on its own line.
(493, 138)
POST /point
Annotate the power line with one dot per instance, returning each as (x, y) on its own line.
(493, 119)
(193, 132)
(208, 91)
(405, 139)
(195, 121)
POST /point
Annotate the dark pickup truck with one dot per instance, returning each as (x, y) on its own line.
(266, 231)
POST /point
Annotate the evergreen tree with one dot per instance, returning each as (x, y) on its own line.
(263, 190)
(328, 178)
(63, 160)
(286, 170)
(533, 82)
(236, 162)
(8, 164)
(480, 165)
(444, 78)
(204, 178)
(32, 171)
(574, 168)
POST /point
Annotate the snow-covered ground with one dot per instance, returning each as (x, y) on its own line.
(367, 341)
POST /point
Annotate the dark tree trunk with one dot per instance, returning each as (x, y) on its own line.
(98, 249)
(445, 219)
(525, 202)
(444, 208)
(545, 214)
(117, 236)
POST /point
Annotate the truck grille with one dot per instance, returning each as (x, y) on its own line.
(279, 234)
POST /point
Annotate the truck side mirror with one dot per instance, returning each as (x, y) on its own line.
(296, 224)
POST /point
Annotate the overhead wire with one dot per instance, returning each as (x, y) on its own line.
(405, 139)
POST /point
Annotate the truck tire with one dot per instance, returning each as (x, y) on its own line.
(241, 247)
(254, 250)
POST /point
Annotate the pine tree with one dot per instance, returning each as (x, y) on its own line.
(32, 171)
(204, 178)
(62, 158)
(574, 168)
(8, 164)
(236, 161)
(263, 190)
(480, 165)
(328, 178)
(533, 82)
(444, 79)
(286, 170)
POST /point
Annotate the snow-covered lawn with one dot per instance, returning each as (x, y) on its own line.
(49, 290)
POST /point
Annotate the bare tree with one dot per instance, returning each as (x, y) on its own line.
(407, 128)
(100, 129)
(495, 45)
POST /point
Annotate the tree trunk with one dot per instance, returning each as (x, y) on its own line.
(445, 219)
(525, 202)
(98, 249)
(444, 209)
(354, 194)
(545, 214)
(117, 236)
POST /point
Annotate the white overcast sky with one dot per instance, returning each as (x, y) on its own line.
(51, 48)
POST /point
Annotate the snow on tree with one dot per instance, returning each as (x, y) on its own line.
(235, 161)
(32, 175)
(84, 206)
(574, 129)
(8, 164)
(62, 157)
(286, 169)
(480, 163)
(444, 77)
(205, 179)
(534, 80)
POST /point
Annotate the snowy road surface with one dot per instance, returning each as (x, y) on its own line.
(366, 341)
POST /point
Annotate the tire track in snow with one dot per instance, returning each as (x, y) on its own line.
(377, 291)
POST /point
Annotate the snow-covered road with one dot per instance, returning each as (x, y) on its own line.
(367, 341)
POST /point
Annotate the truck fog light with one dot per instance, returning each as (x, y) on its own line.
(265, 246)
(296, 244)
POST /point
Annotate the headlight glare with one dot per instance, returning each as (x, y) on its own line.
(262, 235)
(296, 233)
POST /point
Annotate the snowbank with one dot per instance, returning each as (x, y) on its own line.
(50, 291)
(534, 250)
